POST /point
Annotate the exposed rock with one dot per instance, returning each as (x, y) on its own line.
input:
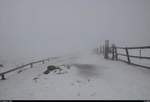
(51, 68)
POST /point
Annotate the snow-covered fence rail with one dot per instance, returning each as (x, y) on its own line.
(20, 67)
(115, 54)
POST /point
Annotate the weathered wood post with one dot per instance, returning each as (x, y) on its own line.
(113, 51)
(127, 54)
(116, 53)
(140, 52)
(103, 49)
(106, 52)
(31, 65)
(3, 77)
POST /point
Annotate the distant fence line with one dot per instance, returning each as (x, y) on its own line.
(106, 50)
(22, 66)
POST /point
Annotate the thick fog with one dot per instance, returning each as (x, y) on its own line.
(44, 28)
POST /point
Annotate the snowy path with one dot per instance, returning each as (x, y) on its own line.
(90, 77)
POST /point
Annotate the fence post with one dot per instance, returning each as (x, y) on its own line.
(113, 51)
(103, 49)
(116, 53)
(31, 65)
(3, 77)
(127, 53)
(106, 52)
(140, 52)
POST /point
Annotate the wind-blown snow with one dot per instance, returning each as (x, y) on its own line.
(90, 76)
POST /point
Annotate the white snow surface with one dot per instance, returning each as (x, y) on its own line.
(90, 77)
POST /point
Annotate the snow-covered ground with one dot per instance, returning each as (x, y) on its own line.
(90, 76)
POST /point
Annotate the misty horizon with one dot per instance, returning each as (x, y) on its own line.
(44, 28)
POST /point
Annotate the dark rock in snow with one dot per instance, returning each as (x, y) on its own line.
(51, 68)
(46, 72)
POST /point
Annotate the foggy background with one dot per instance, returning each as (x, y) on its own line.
(44, 28)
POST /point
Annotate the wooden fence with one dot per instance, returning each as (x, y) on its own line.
(20, 67)
(115, 54)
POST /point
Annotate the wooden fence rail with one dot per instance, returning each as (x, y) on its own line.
(115, 54)
(140, 57)
(142, 47)
(22, 66)
(106, 50)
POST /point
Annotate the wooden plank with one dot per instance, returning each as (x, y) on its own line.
(140, 57)
(142, 47)
(14, 69)
(120, 47)
(20, 67)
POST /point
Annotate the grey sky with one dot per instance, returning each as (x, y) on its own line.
(51, 27)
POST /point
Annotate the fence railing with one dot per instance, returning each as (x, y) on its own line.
(22, 66)
(130, 56)
(106, 50)
(115, 55)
